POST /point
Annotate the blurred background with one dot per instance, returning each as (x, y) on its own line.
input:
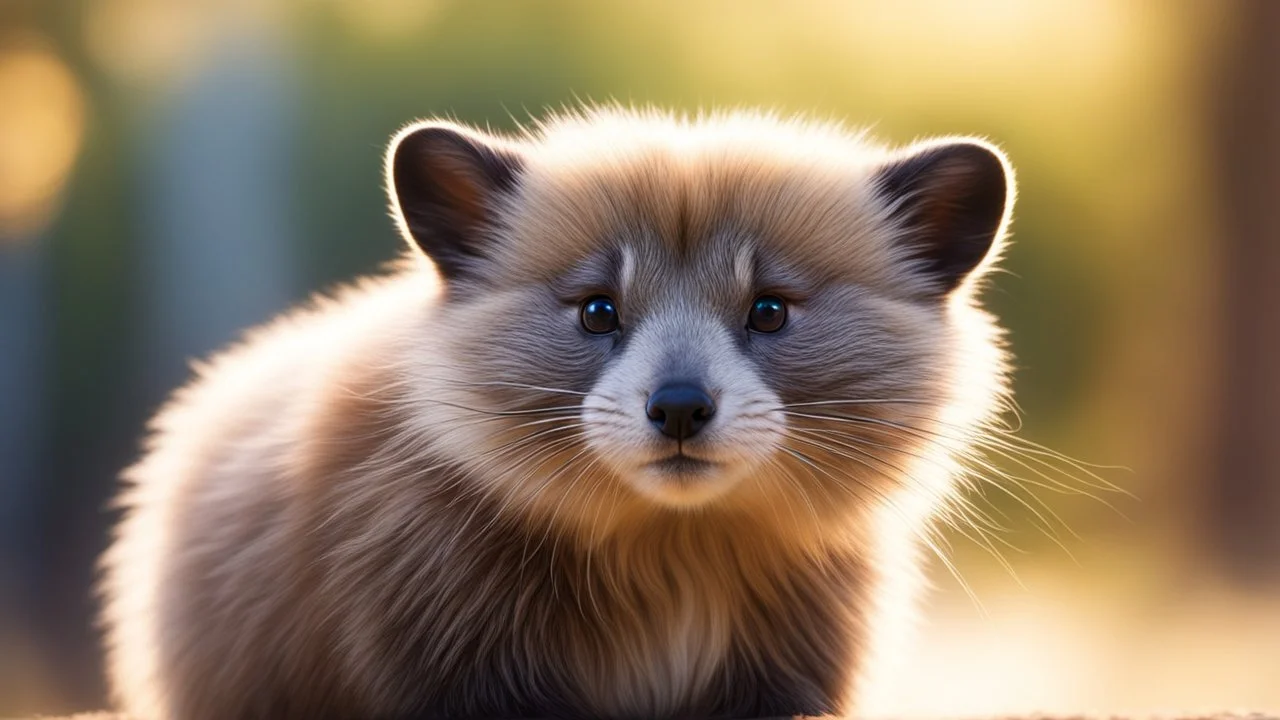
(172, 171)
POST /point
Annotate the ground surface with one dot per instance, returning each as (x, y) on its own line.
(1211, 716)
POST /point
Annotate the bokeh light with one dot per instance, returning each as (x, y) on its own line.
(42, 123)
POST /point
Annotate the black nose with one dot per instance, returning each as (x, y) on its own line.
(680, 410)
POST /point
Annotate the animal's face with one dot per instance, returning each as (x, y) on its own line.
(682, 317)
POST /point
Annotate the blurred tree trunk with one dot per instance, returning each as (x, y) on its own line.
(1244, 507)
(226, 143)
(24, 427)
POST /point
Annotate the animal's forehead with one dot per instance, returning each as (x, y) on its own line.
(671, 216)
(723, 264)
(642, 267)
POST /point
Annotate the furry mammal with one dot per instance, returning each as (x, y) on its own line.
(656, 437)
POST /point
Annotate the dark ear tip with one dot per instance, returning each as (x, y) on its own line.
(952, 196)
(988, 175)
(443, 181)
(428, 135)
(974, 152)
(422, 149)
(982, 155)
(410, 148)
(985, 164)
(968, 171)
(979, 165)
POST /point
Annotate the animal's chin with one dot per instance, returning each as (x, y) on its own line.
(684, 481)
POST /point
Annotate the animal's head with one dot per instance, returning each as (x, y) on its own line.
(765, 317)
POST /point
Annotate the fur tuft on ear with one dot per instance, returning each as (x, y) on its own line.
(952, 199)
(443, 181)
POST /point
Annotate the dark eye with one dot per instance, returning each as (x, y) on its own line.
(599, 316)
(768, 314)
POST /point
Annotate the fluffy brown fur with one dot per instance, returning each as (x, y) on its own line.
(435, 494)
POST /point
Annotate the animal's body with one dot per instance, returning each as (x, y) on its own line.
(656, 433)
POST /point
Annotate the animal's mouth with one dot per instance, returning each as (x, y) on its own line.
(682, 464)
(680, 480)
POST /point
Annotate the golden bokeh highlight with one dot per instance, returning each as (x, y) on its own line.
(146, 41)
(42, 122)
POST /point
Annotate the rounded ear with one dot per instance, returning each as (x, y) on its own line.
(444, 181)
(952, 200)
